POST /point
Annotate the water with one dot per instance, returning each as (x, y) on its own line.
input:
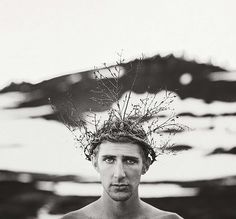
(38, 145)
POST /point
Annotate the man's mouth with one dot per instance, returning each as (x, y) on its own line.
(120, 186)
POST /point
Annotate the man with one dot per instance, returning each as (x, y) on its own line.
(120, 154)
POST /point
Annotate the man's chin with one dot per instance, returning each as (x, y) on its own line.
(119, 197)
(120, 194)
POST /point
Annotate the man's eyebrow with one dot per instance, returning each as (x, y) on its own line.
(124, 156)
(108, 155)
(131, 157)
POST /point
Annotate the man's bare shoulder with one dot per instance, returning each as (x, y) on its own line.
(168, 215)
(74, 215)
(85, 212)
(155, 213)
(159, 214)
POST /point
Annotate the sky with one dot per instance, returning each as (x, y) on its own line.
(47, 38)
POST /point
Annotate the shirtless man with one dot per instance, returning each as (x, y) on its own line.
(120, 162)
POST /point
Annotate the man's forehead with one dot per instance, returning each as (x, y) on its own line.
(119, 149)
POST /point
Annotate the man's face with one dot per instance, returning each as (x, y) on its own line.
(120, 166)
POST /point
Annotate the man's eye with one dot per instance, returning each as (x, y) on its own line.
(129, 161)
(109, 160)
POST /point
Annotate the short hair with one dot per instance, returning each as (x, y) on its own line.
(121, 131)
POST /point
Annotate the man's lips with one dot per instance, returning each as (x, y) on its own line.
(120, 186)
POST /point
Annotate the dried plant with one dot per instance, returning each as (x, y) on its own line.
(142, 122)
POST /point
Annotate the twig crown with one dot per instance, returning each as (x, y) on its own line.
(138, 122)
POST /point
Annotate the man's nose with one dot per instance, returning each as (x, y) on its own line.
(119, 172)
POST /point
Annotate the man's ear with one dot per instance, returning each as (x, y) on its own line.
(146, 166)
(95, 162)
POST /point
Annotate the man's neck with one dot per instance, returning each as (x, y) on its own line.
(120, 209)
